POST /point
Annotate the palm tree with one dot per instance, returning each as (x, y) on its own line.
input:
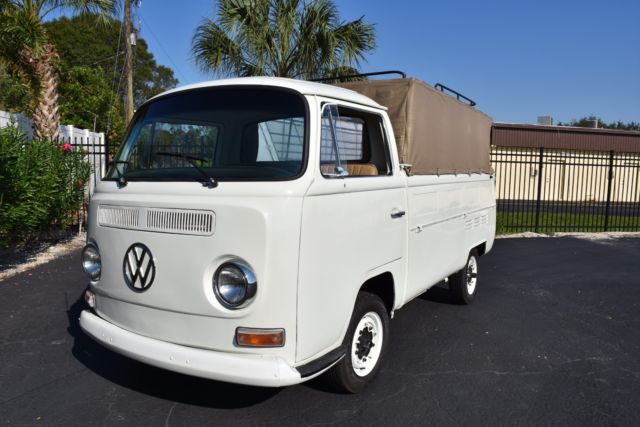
(26, 48)
(284, 38)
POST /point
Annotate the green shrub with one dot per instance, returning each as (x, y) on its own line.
(41, 186)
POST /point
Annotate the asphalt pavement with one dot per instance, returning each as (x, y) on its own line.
(553, 338)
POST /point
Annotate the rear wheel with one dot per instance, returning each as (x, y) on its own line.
(365, 344)
(464, 283)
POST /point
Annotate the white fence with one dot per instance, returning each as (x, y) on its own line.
(9, 119)
(92, 143)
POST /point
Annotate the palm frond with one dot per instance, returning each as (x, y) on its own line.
(4, 4)
(288, 38)
(102, 9)
(354, 39)
(214, 50)
(282, 20)
(17, 30)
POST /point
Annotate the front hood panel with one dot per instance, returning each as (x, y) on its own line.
(184, 254)
(188, 237)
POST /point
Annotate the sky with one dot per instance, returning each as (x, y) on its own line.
(517, 59)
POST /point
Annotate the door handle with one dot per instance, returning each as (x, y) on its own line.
(397, 213)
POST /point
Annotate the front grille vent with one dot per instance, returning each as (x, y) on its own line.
(160, 220)
(115, 216)
(180, 221)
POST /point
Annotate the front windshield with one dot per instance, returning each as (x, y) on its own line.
(230, 134)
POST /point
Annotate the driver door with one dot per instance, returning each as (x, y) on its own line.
(353, 223)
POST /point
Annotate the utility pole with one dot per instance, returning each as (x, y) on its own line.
(130, 41)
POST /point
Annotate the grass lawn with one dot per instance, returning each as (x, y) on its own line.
(549, 222)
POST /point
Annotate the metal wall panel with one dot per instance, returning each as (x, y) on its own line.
(564, 137)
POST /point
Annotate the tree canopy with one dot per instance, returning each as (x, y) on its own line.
(14, 95)
(588, 121)
(284, 38)
(81, 43)
(30, 55)
(91, 86)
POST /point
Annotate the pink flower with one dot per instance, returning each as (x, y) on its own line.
(66, 147)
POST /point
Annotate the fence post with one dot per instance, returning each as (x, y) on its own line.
(607, 209)
(86, 139)
(539, 197)
(69, 131)
(104, 154)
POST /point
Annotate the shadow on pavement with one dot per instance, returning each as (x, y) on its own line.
(439, 293)
(158, 382)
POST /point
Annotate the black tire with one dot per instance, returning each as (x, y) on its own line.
(462, 292)
(342, 376)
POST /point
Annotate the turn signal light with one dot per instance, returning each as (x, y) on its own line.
(251, 337)
(90, 298)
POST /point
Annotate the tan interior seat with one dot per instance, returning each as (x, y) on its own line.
(354, 169)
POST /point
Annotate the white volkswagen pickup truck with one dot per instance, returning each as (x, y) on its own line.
(263, 231)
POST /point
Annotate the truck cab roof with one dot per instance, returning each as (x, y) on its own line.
(301, 86)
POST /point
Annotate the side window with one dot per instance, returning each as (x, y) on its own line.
(353, 143)
(349, 133)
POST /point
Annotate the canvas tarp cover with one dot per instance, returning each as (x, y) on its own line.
(435, 133)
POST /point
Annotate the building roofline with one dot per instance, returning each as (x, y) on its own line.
(573, 129)
(564, 138)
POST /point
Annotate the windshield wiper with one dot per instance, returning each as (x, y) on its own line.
(122, 181)
(209, 182)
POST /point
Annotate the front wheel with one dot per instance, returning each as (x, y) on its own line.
(464, 283)
(365, 344)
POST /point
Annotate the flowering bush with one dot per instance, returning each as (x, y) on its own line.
(41, 186)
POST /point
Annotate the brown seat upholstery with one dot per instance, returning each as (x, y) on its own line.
(354, 169)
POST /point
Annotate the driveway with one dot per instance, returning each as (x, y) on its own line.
(552, 338)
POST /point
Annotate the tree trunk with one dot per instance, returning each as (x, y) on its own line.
(46, 117)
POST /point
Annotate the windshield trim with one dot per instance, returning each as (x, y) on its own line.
(145, 106)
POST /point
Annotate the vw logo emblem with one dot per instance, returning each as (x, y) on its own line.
(138, 267)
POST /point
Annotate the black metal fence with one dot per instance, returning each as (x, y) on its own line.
(96, 154)
(546, 190)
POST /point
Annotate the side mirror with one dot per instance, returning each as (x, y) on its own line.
(406, 167)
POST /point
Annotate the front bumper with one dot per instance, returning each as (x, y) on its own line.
(256, 370)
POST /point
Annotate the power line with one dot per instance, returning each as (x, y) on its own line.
(113, 79)
(162, 47)
(104, 59)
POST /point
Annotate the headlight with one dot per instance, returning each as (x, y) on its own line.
(234, 284)
(91, 261)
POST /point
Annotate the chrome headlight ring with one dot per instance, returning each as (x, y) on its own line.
(91, 261)
(234, 285)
